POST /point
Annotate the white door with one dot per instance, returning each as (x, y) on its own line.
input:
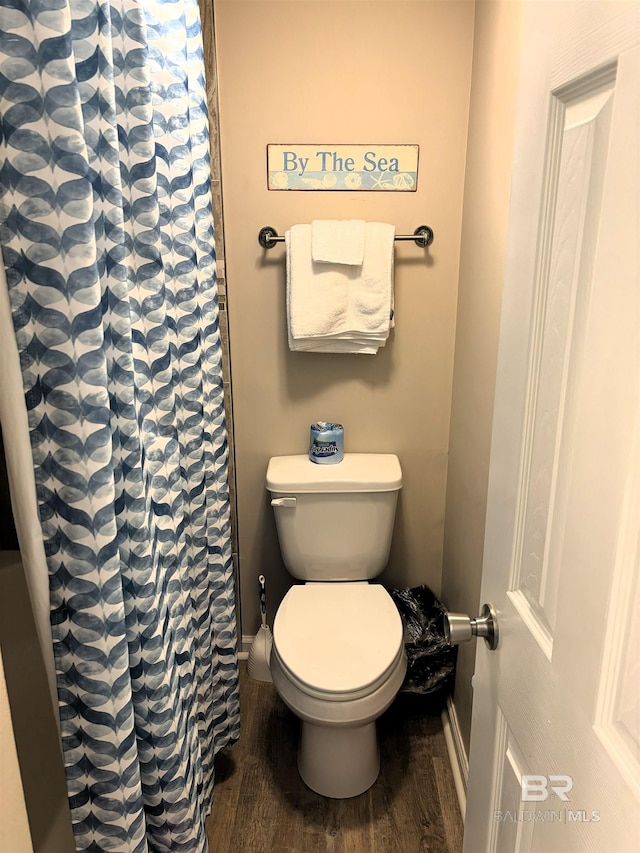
(555, 743)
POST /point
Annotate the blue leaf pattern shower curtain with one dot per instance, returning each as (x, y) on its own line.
(107, 237)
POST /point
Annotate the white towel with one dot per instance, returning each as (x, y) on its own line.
(317, 298)
(371, 297)
(338, 307)
(338, 241)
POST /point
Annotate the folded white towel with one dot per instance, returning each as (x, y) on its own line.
(338, 241)
(371, 297)
(340, 307)
(352, 347)
(317, 296)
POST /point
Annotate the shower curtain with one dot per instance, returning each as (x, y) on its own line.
(107, 238)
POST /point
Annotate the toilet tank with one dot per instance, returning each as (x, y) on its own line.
(335, 522)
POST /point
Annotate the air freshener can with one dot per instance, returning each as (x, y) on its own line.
(326, 443)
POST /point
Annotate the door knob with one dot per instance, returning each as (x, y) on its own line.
(460, 628)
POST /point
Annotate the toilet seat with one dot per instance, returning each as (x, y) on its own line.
(338, 641)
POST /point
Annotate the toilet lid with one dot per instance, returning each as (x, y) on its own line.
(338, 637)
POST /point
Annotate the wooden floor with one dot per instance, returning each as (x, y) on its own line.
(262, 806)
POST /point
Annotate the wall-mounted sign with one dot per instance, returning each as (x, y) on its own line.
(387, 168)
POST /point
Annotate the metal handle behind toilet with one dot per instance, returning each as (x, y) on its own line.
(460, 628)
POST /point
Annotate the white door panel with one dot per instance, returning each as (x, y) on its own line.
(559, 701)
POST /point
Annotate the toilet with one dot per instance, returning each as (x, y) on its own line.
(338, 656)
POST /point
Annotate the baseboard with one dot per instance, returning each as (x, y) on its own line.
(457, 753)
(245, 646)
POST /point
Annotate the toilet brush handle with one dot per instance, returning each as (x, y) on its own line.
(263, 597)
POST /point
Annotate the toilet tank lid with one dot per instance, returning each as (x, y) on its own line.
(358, 472)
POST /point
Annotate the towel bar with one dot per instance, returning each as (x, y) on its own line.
(422, 237)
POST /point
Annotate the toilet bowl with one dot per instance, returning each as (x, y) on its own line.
(338, 661)
(338, 656)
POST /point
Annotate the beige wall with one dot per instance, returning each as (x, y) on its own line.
(14, 825)
(366, 72)
(484, 227)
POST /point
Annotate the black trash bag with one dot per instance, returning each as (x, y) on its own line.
(431, 661)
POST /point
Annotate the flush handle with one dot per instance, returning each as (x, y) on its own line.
(460, 628)
(290, 501)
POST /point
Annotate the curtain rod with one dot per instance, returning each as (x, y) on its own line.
(422, 237)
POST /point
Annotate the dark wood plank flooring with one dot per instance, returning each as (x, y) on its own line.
(262, 806)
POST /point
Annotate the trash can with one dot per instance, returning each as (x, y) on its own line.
(431, 661)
